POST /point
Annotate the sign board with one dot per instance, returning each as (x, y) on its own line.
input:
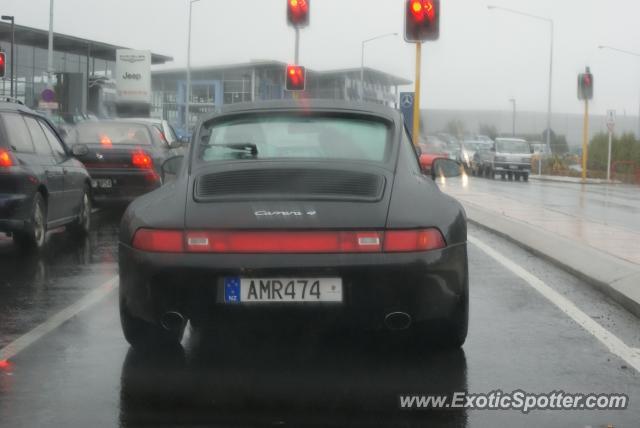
(406, 107)
(48, 105)
(133, 76)
(611, 120)
(48, 95)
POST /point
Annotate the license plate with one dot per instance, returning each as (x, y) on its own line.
(104, 183)
(282, 290)
(513, 166)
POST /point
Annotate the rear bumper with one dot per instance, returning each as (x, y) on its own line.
(512, 167)
(14, 212)
(126, 185)
(425, 285)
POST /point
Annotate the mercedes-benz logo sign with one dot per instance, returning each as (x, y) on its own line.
(407, 101)
(99, 156)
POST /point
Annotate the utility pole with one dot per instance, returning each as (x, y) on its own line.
(513, 117)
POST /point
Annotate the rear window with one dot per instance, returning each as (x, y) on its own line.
(512, 146)
(15, 129)
(286, 137)
(110, 134)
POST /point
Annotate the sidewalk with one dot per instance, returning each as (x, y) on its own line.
(605, 256)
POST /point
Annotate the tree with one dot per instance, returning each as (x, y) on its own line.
(455, 127)
(489, 130)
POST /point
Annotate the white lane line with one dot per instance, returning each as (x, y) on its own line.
(23, 342)
(608, 339)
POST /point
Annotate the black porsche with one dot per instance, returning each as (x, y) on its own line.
(296, 213)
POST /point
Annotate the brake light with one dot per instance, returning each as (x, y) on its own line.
(6, 160)
(159, 241)
(284, 242)
(141, 160)
(396, 241)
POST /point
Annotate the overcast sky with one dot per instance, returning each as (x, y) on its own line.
(482, 59)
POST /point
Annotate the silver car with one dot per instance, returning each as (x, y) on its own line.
(509, 157)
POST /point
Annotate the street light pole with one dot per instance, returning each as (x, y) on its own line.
(50, 46)
(187, 113)
(551, 28)
(626, 53)
(362, 60)
(513, 117)
(13, 46)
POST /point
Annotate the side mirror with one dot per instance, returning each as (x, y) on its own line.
(80, 150)
(175, 144)
(171, 167)
(492, 149)
(445, 168)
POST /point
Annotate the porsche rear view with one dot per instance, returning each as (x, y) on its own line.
(302, 214)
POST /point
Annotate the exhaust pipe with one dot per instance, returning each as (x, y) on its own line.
(397, 320)
(172, 321)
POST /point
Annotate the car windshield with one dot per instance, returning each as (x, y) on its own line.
(109, 134)
(289, 137)
(512, 146)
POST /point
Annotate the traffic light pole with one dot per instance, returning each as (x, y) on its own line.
(297, 54)
(416, 100)
(585, 141)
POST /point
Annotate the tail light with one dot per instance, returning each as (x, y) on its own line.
(396, 241)
(159, 241)
(6, 160)
(141, 160)
(172, 241)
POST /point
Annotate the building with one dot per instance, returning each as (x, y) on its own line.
(213, 87)
(78, 63)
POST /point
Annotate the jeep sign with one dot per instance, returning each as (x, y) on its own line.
(133, 76)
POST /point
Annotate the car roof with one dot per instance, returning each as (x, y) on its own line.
(309, 105)
(518, 140)
(16, 106)
(142, 122)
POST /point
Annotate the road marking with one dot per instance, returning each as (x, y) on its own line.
(608, 339)
(23, 342)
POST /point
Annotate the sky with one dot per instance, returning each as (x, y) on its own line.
(482, 59)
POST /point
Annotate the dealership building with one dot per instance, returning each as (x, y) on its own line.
(83, 70)
(216, 86)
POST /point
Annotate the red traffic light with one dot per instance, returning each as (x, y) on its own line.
(585, 85)
(422, 20)
(3, 63)
(295, 78)
(298, 12)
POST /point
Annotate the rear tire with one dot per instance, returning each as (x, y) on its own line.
(82, 226)
(525, 177)
(35, 234)
(144, 335)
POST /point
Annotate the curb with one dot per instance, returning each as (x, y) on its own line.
(614, 277)
(563, 179)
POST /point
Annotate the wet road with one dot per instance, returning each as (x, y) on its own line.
(84, 374)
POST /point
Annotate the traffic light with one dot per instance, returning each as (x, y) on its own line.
(298, 12)
(3, 63)
(585, 85)
(422, 20)
(295, 78)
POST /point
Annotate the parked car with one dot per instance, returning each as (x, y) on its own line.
(290, 213)
(42, 186)
(508, 157)
(122, 156)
